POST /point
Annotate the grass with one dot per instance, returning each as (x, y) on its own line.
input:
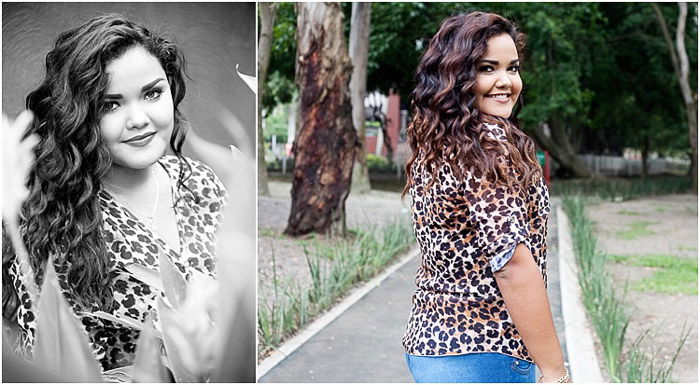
(636, 230)
(674, 275)
(608, 314)
(621, 189)
(334, 270)
(628, 212)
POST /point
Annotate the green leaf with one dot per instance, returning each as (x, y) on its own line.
(62, 345)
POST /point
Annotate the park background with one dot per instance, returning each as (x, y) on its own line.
(610, 93)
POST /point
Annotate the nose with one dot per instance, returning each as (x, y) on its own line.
(503, 81)
(137, 118)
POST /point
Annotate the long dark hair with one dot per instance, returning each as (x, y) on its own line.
(446, 126)
(61, 217)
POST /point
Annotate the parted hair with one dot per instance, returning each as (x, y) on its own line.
(61, 219)
(447, 127)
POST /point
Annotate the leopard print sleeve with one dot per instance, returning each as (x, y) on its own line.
(498, 213)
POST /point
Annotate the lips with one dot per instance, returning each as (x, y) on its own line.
(139, 138)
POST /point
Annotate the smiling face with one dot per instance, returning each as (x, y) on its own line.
(498, 82)
(137, 114)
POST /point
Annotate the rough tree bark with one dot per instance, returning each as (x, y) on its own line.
(324, 148)
(359, 49)
(679, 58)
(267, 22)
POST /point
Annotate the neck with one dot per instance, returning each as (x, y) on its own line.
(128, 179)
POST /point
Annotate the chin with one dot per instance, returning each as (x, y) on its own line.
(139, 159)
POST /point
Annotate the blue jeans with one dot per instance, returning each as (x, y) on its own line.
(473, 367)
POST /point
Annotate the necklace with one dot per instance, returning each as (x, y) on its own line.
(123, 200)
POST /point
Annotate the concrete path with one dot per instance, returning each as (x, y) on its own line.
(363, 344)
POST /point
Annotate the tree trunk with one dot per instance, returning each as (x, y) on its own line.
(645, 155)
(562, 151)
(324, 148)
(679, 58)
(267, 22)
(359, 49)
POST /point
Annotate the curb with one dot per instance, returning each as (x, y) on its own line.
(583, 361)
(305, 334)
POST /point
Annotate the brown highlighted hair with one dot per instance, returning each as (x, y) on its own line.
(446, 126)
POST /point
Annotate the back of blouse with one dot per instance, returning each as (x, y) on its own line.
(467, 229)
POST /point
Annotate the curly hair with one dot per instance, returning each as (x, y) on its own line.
(61, 219)
(446, 126)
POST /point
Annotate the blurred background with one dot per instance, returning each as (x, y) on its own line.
(214, 38)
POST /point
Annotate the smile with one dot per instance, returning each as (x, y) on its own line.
(141, 140)
(499, 98)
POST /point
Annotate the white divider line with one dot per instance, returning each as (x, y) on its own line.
(304, 335)
(583, 361)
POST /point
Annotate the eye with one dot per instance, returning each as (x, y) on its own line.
(486, 69)
(153, 94)
(110, 106)
(514, 68)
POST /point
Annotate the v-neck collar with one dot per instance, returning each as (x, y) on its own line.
(174, 254)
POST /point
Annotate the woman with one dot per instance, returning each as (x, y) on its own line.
(480, 210)
(103, 195)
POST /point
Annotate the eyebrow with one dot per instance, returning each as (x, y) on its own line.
(143, 89)
(495, 62)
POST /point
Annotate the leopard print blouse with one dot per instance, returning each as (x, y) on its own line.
(467, 229)
(129, 241)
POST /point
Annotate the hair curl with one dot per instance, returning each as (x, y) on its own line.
(446, 126)
(61, 217)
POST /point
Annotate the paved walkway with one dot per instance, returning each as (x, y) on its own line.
(364, 343)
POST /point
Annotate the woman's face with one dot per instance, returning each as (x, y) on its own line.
(137, 114)
(498, 82)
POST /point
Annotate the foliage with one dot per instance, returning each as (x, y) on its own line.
(621, 189)
(608, 314)
(378, 163)
(601, 70)
(334, 270)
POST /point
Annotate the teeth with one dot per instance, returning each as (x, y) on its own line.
(498, 96)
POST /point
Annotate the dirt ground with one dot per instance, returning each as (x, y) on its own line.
(672, 224)
(373, 208)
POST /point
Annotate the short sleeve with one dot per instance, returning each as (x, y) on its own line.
(214, 192)
(498, 214)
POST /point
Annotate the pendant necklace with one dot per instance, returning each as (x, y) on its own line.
(150, 218)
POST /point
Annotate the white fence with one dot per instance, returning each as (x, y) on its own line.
(619, 166)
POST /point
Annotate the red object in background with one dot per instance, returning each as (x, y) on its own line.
(546, 167)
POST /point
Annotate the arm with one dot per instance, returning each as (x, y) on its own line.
(524, 293)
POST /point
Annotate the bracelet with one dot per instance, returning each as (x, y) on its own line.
(562, 379)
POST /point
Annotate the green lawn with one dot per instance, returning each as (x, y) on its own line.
(672, 275)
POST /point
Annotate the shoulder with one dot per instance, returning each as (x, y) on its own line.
(198, 171)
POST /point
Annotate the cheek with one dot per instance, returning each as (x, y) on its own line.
(517, 85)
(481, 87)
(163, 113)
(111, 129)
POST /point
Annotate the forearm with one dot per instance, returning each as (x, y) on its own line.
(525, 296)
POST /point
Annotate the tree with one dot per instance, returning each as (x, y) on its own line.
(679, 58)
(267, 21)
(359, 48)
(325, 145)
